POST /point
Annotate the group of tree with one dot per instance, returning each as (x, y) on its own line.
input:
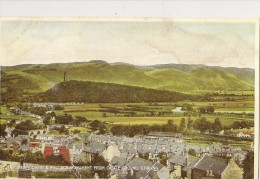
(24, 126)
(30, 157)
(41, 111)
(68, 119)
(48, 117)
(2, 130)
(15, 87)
(97, 125)
(132, 130)
(58, 107)
(204, 125)
(241, 125)
(206, 110)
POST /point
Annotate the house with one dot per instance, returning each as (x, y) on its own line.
(243, 135)
(75, 151)
(145, 169)
(177, 110)
(117, 167)
(135, 167)
(24, 148)
(185, 162)
(216, 168)
(110, 152)
(94, 148)
(9, 131)
(34, 144)
(43, 137)
(48, 151)
(4, 170)
(64, 152)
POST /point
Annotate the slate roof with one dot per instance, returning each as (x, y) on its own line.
(157, 165)
(139, 162)
(191, 163)
(119, 161)
(217, 165)
(95, 147)
(162, 135)
(146, 174)
(180, 159)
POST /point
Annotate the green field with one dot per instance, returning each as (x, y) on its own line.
(94, 111)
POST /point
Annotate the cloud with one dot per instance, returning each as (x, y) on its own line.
(140, 43)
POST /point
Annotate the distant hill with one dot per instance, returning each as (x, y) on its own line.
(173, 77)
(96, 92)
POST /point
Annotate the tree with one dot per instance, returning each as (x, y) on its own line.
(24, 142)
(170, 122)
(102, 128)
(46, 121)
(210, 109)
(25, 126)
(189, 124)
(202, 124)
(2, 130)
(202, 110)
(98, 160)
(192, 152)
(65, 119)
(62, 129)
(78, 120)
(12, 122)
(41, 111)
(248, 165)
(182, 125)
(217, 126)
(76, 131)
(104, 114)
(236, 125)
(95, 124)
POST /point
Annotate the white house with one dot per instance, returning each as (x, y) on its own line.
(243, 135)
(177, 110)
(45, 137)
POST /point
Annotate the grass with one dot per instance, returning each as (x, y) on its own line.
(141, 118)
(81, 129)
(199, 80)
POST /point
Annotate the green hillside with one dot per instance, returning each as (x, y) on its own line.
(173, 77)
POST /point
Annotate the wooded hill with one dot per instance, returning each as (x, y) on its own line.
(95, 92)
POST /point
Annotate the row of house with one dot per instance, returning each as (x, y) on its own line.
(245, 134)
(190, 167)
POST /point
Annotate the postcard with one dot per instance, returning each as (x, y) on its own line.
(129, 98)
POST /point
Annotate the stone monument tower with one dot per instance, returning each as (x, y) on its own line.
(65, 76)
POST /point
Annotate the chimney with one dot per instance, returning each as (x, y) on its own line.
(210, 173)
(157, 159)
(135, 146)
(136, 155)
(187, 160)
(96, 176)
(150, 156)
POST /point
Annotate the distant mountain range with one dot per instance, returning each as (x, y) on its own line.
(185, 78)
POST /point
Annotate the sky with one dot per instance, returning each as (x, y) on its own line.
(134, 42)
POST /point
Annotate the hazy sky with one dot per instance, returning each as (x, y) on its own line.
(139, 43)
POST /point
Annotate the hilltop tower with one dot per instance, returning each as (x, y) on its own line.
(65, 76)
